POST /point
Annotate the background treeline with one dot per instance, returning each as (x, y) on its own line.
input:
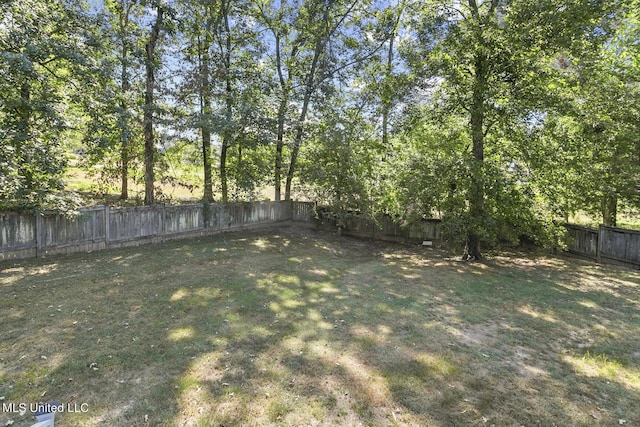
(499, 116)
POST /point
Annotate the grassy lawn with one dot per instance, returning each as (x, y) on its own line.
(290, 327)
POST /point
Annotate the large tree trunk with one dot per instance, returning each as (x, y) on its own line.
(475, 195)
(476, 186)
(610, 210)
(149, 139)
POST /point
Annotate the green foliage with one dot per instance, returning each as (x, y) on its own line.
(502, 118)
(43, 63)
(496, 70)
(430, 178)
(340, 161)
(112, 103)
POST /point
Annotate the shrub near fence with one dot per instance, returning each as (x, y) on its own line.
(28, 235)
(605, 244)
(384, 227)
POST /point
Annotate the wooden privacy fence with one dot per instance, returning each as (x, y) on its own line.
(27, 235)
(605, 244)
(384, 227)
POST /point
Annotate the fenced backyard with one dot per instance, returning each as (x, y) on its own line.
(294, 326)
(28, 235)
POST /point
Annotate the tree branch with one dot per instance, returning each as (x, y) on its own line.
(50, 71)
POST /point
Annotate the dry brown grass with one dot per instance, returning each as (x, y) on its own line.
(290, 327)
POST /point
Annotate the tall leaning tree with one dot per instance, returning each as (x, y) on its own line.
(491, 60)
(314, 44)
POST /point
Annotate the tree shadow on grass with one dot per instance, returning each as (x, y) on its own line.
(268, 329)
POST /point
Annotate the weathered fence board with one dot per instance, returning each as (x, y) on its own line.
(58, 230)
(605, 243)
(135, 223)
(183, 219)
(17, 231)
(25, 235)
(619, 244)
(383, 227)
(582, 240)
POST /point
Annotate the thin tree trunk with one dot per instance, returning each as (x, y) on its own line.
(386, 100)
(223, 169)
(282, 113)
(610, 199)
(124, 134)
(207, 195)
(239, 143)
(24, 129)
(149, 139)
(309, 88)
(124, 166)
(205, 108)
(123, 22)
(226, 139)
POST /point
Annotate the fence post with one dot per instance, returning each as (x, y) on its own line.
(206, 214)
(38, 233)
(600, 244)
(164, 221)
(107, 231)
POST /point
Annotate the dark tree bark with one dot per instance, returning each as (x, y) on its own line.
(282, 111)
(476, 186)
(124, 134)
(207, 195)
(476, 190)
(477, 123)
(205, 129)
(308, 91)
(228, 134)
(610, 210)
(24, 112)
(123, 24)
(149, 138)
(282, 114)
